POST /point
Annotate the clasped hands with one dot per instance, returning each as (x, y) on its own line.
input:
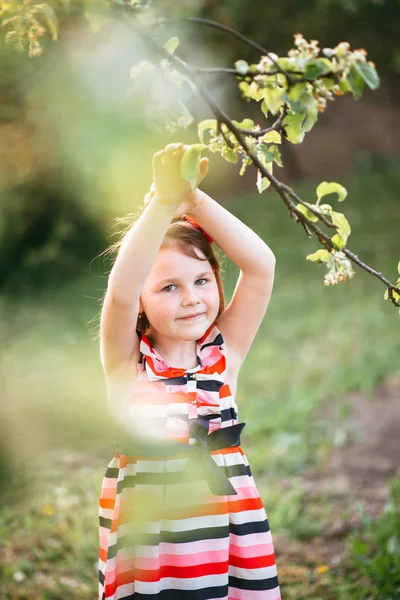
(169, 187)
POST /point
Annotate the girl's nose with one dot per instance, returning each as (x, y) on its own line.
(190, 296)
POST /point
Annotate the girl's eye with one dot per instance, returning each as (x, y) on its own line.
(172, 285)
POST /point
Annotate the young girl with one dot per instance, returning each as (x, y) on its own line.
(171, 352)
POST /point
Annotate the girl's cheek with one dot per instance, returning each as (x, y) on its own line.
(168, 301)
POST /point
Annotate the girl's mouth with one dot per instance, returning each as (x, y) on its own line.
(194, 318)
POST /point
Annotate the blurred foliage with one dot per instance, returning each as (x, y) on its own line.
(374, 551)
(45, 237)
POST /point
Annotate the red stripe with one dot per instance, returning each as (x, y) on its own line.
(213, 568)
(107, 502)
(103, 553)
(255, 562)
(224, 391)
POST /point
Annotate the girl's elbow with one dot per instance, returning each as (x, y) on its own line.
(269, 261)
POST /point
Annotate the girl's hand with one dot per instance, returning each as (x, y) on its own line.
(168, 184)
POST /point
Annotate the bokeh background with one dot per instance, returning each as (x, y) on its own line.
(320, 387)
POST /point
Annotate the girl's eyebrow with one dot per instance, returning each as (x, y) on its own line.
(178, 279)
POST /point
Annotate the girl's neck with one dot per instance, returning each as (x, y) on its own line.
(179, 354)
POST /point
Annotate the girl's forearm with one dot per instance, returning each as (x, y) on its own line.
(240, 243)
(138, 253)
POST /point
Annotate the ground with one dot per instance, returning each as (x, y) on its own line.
(357, 474)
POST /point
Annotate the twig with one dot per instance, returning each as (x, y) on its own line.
(237, 34)
(274, 127)
(249, 74)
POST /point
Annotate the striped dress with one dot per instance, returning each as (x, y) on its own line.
(165, 536)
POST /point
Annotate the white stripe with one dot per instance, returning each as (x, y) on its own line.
(255, 574)
(178, 525)
(230, 460)
(129, 470)
(242, 481)
(174, 583)
(182, 549)
(195, 523)
(248, 516)
(225, 403)
(150, 466)
(106, 513)
(251, 539)
(102, 565)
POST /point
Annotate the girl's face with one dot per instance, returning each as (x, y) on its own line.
(180, 286)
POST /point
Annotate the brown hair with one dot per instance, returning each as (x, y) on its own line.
(188, 239)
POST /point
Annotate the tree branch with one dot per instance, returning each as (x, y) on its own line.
(237, 34)
(284, 191)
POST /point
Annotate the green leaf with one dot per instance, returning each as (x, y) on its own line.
(293, 128)
(244, 87)
(262, 182)
(255, 92)
(368, 74)
(190, 164)
(230, 155)
(344, 227)
(296, 91)
(317, 67)
(395, 294)
(286, 63)
(204, 126)
(245, 163)
(272, 136)
(245, 124)
(328, 82)
(338, 241)
(306, 105)
(386, 295)
(307, 213)
(331, 187)
(344, 86)
(356, 82)
(241, 67)
(272, 100)
(172, 44)
(311, 118)
(320, 255)
(268, 154)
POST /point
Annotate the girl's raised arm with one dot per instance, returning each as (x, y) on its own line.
(240, 321)
(118, 339)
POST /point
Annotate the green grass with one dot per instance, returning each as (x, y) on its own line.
(316, 345)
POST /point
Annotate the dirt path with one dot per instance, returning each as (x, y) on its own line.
(357, 473)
